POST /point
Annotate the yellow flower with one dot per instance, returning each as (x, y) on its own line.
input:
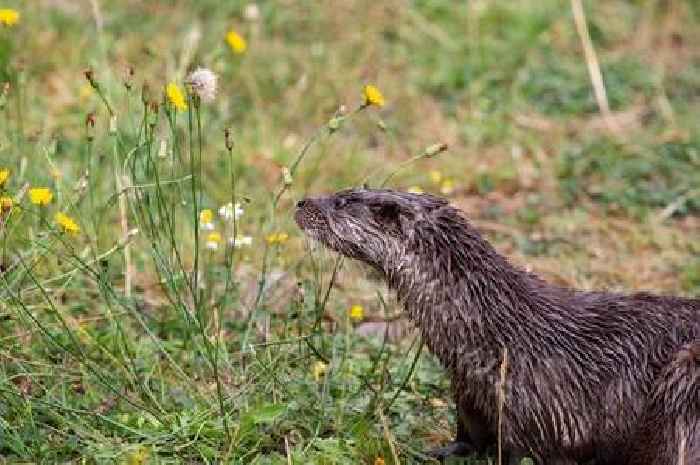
(82, 331)
(138, 457)
(8, 16)
(6, 204)
(277, 238)
(40, 195)
(415, 190)
(237, 43)
(447, 187)
(66, 223)
(206, 216)
(206, 220)
(373, 96)
(318, 370)
(85, 92)
(176, 97)
(4, 175)
(356, 312)
(435, 176)
(213, 240)
(379, 461)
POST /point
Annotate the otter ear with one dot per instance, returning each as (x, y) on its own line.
(392, 217)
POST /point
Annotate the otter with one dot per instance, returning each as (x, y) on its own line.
(588, 375)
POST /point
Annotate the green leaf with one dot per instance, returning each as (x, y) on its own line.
(266, 413)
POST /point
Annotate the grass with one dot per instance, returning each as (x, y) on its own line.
(114, 350)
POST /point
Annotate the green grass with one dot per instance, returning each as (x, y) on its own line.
(229, 370)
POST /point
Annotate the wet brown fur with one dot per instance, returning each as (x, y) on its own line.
(591, 375)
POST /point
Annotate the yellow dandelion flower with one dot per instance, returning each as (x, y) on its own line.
(176, 97)
(415, 190)
(277, 238)
(66, 223)
(8, 16)
(356, 312)
(447, 187)
(435, 176)
(4, 176)
(206, 219)
(85, 92)
(213, 240)
(319, 370)
(40, 195)
(373, 96)
(82, 331)
(237, 43)
(6, 204)
(379, 461)
(206, 216)
(139, 457)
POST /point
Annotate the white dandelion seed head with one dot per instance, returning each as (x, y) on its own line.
(240, 241)
(203, 83)
(230, 211)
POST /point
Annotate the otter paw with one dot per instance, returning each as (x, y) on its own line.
(455, 448)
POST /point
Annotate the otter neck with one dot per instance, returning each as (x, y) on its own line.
(454, 281)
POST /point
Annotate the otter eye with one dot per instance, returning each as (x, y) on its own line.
(340, 202)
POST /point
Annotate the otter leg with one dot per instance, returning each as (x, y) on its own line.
(460, 447)
(515, 458)
(473, 427)
(473, 436)
(474, 430)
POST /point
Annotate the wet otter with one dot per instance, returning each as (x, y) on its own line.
(590, 375)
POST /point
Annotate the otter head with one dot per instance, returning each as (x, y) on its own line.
(376, 226)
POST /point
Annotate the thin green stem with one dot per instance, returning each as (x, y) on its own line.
(195, 207)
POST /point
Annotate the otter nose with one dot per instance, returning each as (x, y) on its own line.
(301, 203)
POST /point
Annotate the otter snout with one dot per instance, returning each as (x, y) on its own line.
(309, 214)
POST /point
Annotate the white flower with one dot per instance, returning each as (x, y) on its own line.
(163, 150)
(229, 211)
(251, 12)
(240, 241)
(203, 83)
